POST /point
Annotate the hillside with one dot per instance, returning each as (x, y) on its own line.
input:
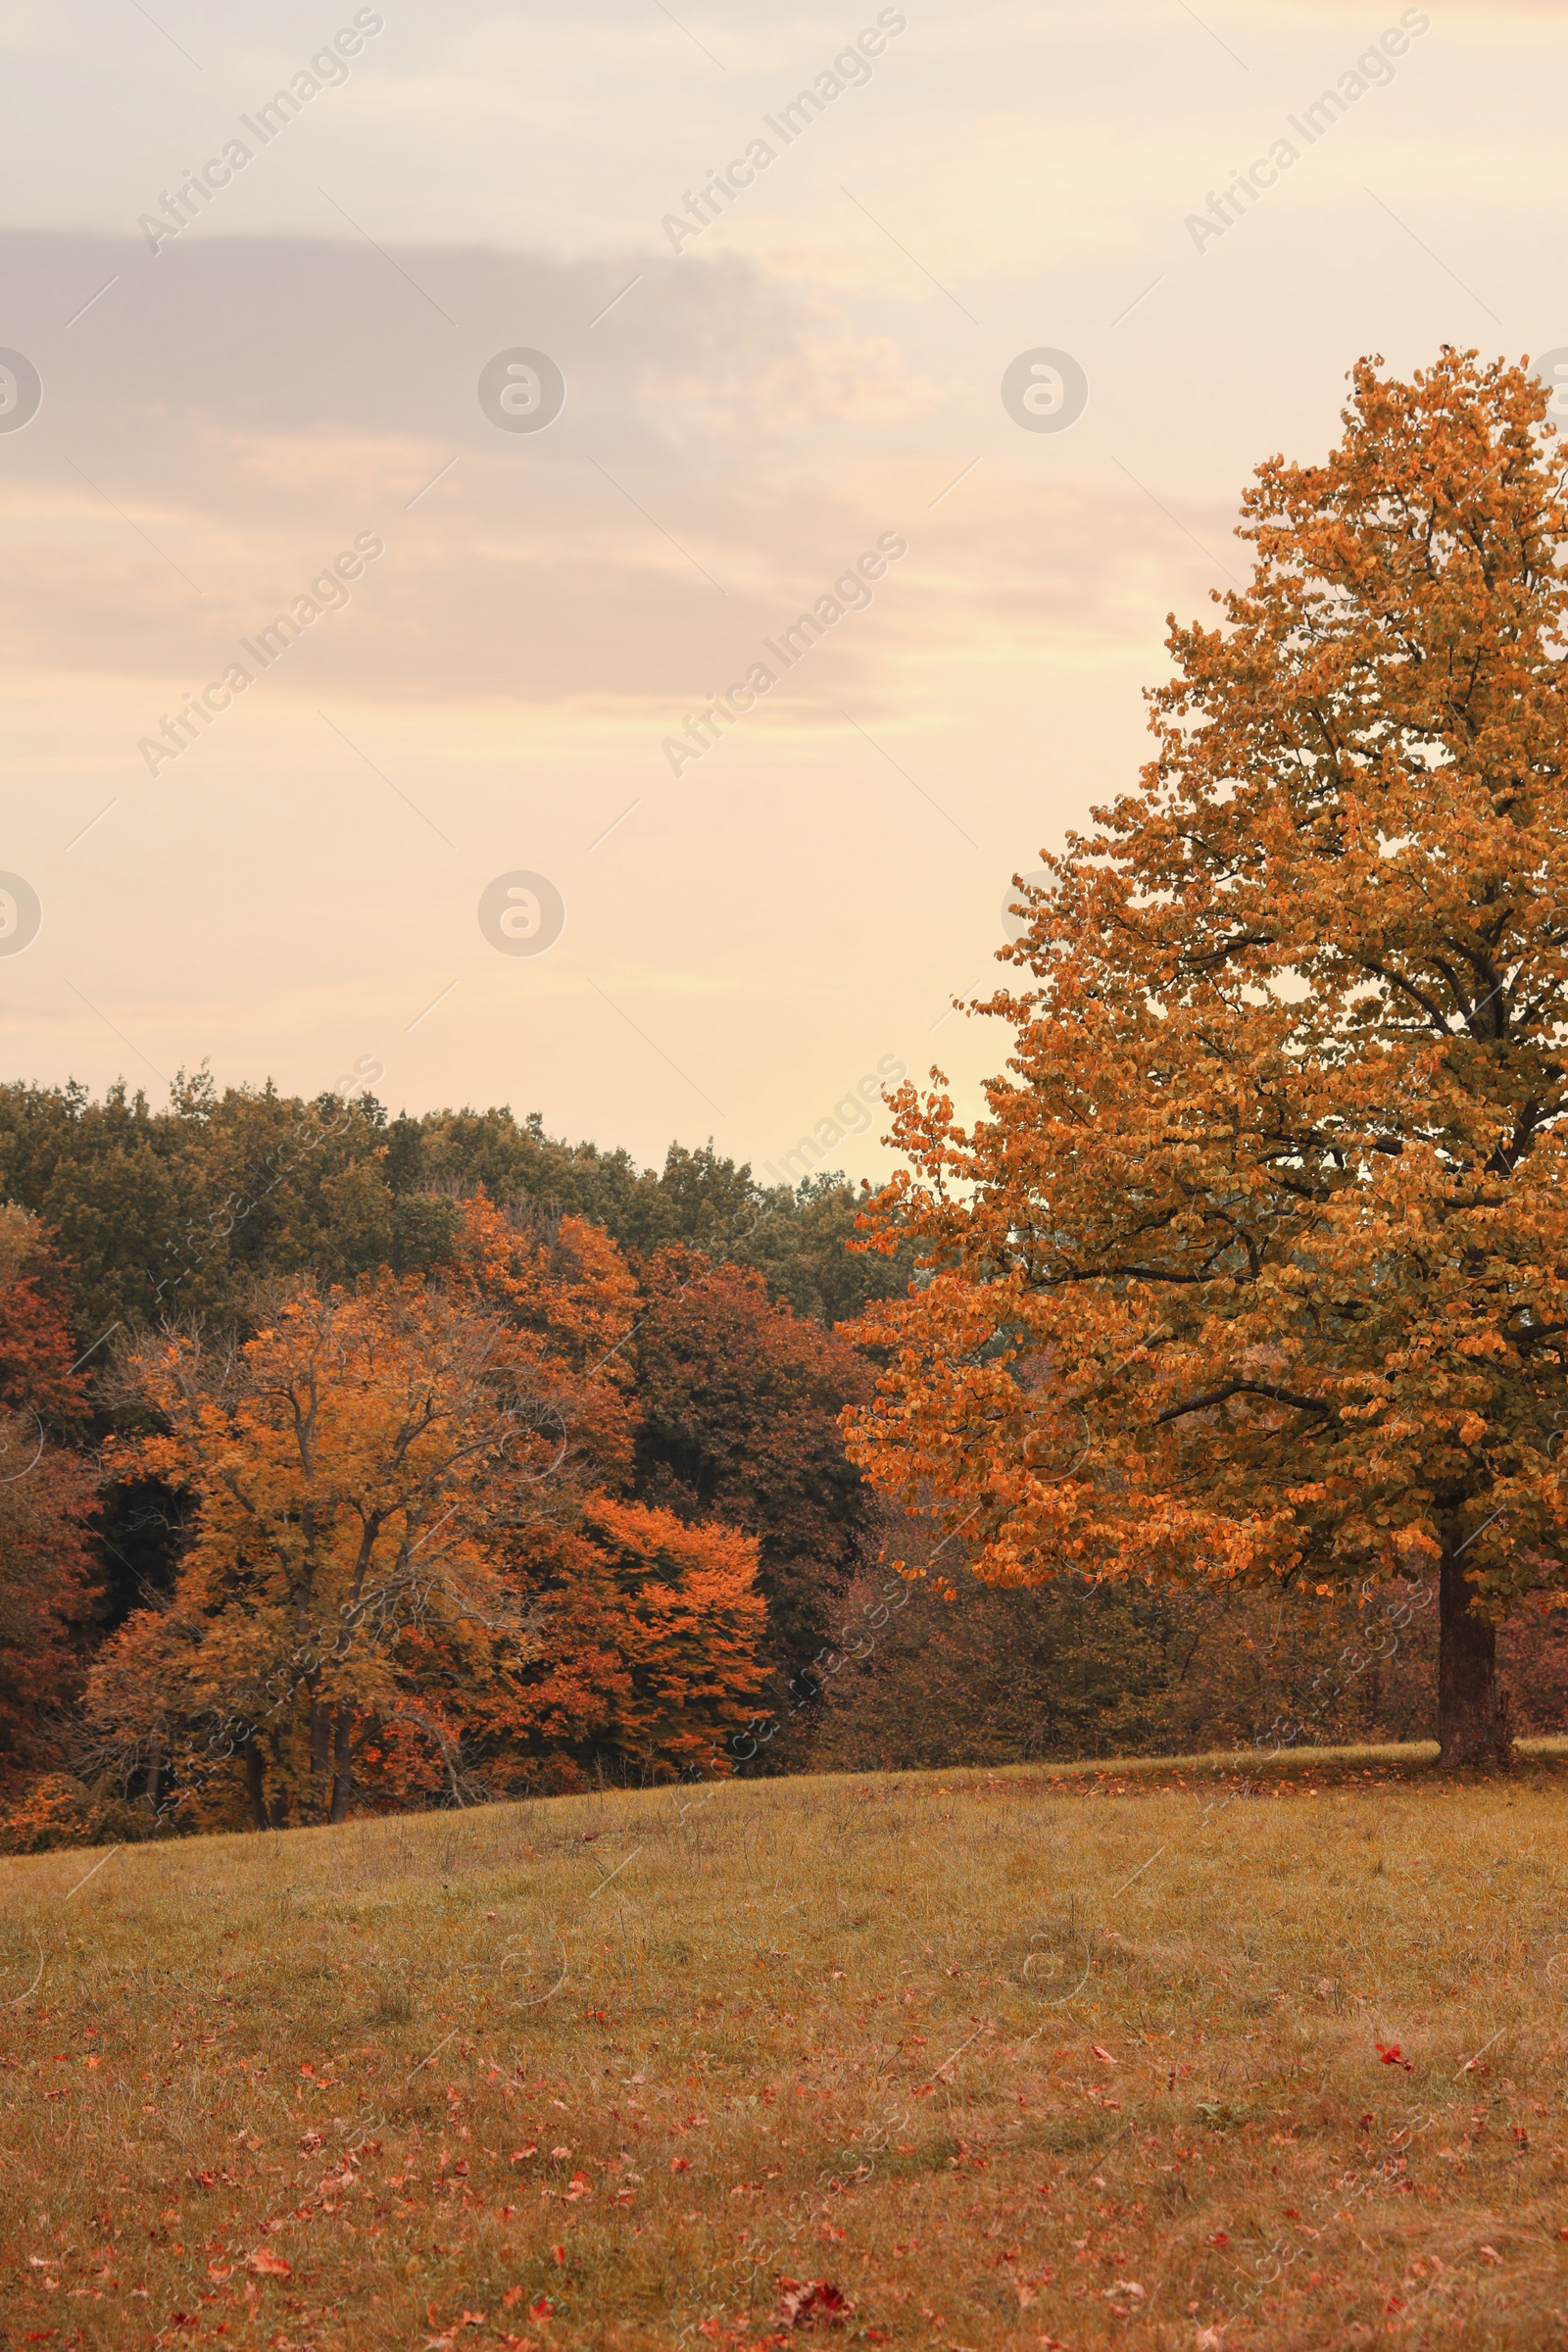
(1041, 2058)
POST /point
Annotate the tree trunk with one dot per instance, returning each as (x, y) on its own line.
(1472, 1714)
(321, 1734)
(342, 1763)
(256, 1785)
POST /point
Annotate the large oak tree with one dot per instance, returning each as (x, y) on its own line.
(1255, 1267)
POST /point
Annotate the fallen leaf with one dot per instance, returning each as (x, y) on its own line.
(817, 2303)
(1104, 2055)
(270, 2266)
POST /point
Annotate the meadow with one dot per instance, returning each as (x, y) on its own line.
(1197, 2055)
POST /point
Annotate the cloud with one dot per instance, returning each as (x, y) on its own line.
(231, 413)
(234, 413)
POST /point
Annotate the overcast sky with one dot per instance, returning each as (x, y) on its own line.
(237, 393)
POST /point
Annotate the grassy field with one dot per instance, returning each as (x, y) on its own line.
(1150, 2057)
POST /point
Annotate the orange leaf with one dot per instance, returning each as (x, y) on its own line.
(817, 2303)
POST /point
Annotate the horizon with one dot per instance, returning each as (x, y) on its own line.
(359, 1086)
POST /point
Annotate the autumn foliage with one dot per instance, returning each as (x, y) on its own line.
(46, 1500)
(411, 1572)
(740, 1402)
(1255, 1268)
(651, 1635)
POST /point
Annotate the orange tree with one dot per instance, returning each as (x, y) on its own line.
(342, 1589)
(1255, 1267)
(715, 1406)
(650, 1628)
(647, 1664)
(407, 1575)
(568, 1305)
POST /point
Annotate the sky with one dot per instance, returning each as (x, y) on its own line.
(536, 449)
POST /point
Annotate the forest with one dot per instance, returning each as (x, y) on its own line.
(385, 1462)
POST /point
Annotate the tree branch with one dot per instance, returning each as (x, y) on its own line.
(1245, 1388)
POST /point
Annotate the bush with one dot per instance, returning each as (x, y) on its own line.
(59, 1810)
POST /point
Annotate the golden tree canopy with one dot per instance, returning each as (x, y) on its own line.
(1255, 1265)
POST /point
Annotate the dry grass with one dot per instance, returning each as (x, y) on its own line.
(1035, 2059)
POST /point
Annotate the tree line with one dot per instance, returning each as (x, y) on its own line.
(356, 1459)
